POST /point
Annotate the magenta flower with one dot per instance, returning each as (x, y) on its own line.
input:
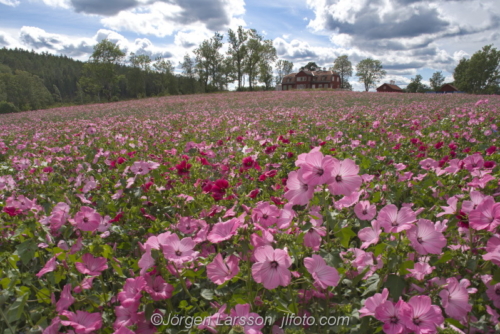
(87, 219)
(451, 209)
(493, 292)
(425, 239)
(212, 322)
(324, 276)
(66, 299)
(178, 251)
(316, 169)
(345, 178)
(125, 316)
(157, 288)
(271, 267)
(82, 322)
(394, 221)
(224, 230)
(421, 316)
(240, 316)
(455, 299)
(142, 167)
(221, 270)
(372, 303)
(429, 164)
(147, 261)
(91, 265)
(392, 316)
(370, 235)
(365, 211)
(299, 192)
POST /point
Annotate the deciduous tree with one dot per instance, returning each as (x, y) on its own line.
(370, 72)
(437, 80)
(283, 68)
(481, 73)
(343, 67)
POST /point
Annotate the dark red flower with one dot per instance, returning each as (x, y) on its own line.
(117, 217)
(490, 150)
(290, 154)
(489, 164)
(254, 193)
(183, 168)
(438, 145)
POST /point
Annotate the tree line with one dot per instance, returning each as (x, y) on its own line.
(30, 81)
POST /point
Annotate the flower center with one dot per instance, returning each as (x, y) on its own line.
(140, 169)
(497, 291)
(85, 220)
(320, 171)
(338, 178)
(274, 264)
(178, 253)
(305, 187)
(265, 216)
(365, 212)
(394, 320)
(417, 321)
(395, 223)
(419, 239)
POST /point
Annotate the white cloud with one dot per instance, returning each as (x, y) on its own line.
(12, 3)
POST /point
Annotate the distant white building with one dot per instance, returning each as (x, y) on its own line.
(278, 87)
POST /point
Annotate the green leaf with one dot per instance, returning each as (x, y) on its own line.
(379, 249)
(43, 296)
(447, 256)
(118, 269)
(207, 294)
(26, 250)
(345, 236)
(16, 309)
(376, 197)
(406, 265)
(396, 285)
(454, 322)
(496, 276)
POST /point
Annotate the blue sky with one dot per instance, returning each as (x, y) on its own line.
(409, 37)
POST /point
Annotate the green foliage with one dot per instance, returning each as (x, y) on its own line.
(416, 85)
(437, 81)
(283, 67)
(370, 72)
(25, 91)
(343, 67)
(7, 107)
(481, 73)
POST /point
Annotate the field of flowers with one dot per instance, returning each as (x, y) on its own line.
(243, 212)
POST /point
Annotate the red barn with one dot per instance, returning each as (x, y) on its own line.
(389, 88)
(449, 88)
(311, 79)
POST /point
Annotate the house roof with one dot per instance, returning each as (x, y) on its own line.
(318, 76)
(449, 85)
(395, 87)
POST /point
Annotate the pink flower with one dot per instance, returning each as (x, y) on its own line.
(365, 211)
(455, 299)
(372, 303)
(82, 322)
(66, 299)
(314, 235)
(49, 266)
(316, 169)
(240, 316)
(142, 167)
(178, 251)
(91, 265)
(486, 216)
(420, 270)
(473, 162)
(392, 316)
(370, 235)
(87, 219)
(271, 267)
(451, 209)
(125, 316)
(146, 260)
(221, 270)
(324, 276)
(425, 239)
(348, 201)
(428, 164)
(493, 250)
(421, 316)
(493, 292)
(224, 230)
(265, 214)
(299, 192)
(157, 288)
(131, 293)
(211, 323)
(345, 177)
(393, 221)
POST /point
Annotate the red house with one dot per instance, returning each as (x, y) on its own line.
(448, 88)
(311, 79)
(389, 88)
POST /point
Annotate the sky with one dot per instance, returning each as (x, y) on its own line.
(409, 37)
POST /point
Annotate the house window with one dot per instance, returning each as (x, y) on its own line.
(320, 86)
